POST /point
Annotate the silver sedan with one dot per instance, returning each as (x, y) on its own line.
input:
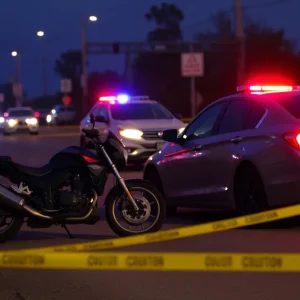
(241, 153)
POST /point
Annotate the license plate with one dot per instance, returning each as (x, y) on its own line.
(160, 145)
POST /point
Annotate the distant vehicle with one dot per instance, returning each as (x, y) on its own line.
(41, 115)
(240, 153)
(138, 121)
(19, 119)
(61, 114)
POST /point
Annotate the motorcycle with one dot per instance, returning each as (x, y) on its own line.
(65, 191)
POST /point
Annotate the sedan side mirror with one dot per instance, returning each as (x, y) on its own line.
(170, 135)
(101, 119)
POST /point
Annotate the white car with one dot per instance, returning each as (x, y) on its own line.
(138, 121)
(61, 114)
(19, 119)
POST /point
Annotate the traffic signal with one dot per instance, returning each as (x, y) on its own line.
(116, 48)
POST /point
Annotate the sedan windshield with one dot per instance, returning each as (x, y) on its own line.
(21, 113)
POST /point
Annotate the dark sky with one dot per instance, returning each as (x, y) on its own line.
(121, 20)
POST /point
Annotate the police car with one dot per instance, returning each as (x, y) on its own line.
(138, 121)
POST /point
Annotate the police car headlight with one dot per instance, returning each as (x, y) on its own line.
(1, 120)
(131, 134)
(12, 122)
(31, 121)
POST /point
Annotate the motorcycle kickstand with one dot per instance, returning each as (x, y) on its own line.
(67, 230)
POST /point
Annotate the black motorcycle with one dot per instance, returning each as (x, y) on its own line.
(66, 190)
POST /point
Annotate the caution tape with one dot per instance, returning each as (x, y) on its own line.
(232, 262)
(177, 233)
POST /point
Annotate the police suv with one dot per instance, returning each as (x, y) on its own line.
(138, 121)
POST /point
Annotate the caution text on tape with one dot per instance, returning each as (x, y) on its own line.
(232, 262)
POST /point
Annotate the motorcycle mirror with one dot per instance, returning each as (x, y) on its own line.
(92, 120)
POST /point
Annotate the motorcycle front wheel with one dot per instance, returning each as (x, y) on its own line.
(124, 220)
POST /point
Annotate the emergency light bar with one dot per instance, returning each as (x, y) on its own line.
(266, 88)
(121, 99)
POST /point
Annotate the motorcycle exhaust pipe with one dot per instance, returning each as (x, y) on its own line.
(15, 203)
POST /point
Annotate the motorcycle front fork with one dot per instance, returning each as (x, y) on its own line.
(120, 179)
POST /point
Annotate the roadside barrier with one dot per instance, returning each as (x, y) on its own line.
(174, 234)
(216, 262)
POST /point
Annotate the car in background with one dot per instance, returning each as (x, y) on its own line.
(138, 121)
(61, 115)
(41, 114)
(240, 153)
(20, 119)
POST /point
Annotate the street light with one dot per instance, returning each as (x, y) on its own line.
(14, 53)
(40, 33)
(93, 18)
(84, 22)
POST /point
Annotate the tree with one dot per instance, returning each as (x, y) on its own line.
(268, 53)
(69, 65)
(167, 18)
(158, 75)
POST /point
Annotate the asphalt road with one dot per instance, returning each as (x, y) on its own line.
(34, 285)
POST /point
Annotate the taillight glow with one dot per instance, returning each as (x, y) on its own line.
(293, 139)
(5, 115)
(36, 114)
(89, 159)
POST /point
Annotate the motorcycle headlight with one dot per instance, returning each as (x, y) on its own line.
(131, 133)
(180, 130)
(125, 155)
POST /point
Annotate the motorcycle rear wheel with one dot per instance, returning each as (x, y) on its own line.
(8, 230)
(152, 207)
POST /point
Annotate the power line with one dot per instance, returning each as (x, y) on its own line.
(254, 6)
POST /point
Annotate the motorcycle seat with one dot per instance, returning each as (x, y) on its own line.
(33, 171)
(5, 159)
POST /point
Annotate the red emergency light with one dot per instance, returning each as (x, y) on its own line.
(258, 89)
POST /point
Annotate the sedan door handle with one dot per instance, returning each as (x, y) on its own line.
(236, 140)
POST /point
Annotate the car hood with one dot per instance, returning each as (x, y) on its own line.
(152, 124)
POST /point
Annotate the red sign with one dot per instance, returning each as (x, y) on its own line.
(67, 100)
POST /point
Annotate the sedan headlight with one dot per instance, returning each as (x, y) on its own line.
(131, 134)
(31, 121)
(49, 118)
(1, 120)
(12, 122)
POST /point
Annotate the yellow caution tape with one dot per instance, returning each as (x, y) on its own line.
(241, 262)
(177, 233)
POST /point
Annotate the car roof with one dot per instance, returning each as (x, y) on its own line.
(20, 108)
(264, 99)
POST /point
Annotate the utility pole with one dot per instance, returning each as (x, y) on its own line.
(44, 76)
(240, 42)
(84, 64)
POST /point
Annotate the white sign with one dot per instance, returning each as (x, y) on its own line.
(17, 89)
(66, 85)
(192, 64)
(1, 97)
